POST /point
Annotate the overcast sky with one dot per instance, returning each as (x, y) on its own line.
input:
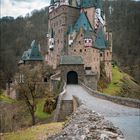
(17, 8)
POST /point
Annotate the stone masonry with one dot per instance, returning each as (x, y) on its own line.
(85, 124)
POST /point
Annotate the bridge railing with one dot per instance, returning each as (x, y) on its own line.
(119, 100)
(59, 102)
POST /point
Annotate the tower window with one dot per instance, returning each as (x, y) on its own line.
(87, 68)
(107, 53)
(89, 40)
(80, 50)
(101, 54)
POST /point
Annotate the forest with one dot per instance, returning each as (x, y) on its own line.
(123, 19)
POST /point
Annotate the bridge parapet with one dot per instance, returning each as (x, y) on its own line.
(119, 100)
(85, 124)
(59, 103)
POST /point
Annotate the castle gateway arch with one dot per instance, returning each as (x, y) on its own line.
(72, 77)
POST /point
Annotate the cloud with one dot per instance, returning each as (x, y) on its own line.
(16, 8)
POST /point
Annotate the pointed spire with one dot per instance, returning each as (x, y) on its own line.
(52, 2)
(83, 22)
(101, 41)
(88, 3)
(99, 4)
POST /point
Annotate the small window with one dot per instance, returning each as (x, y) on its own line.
(85, 41)
(85, 50)
(74, 50)
(90, 41)
(45, 80)
(87, 68)
(79, 42)
(101, 54)
(80, 50)
(107, 53)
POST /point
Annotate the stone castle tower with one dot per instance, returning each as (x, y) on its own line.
(78, 28)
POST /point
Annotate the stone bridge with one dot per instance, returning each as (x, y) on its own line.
(126, 118)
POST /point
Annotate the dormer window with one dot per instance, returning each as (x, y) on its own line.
(88, 42)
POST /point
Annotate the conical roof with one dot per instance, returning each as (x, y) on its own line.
(33, 54)
(101, 41)
(83, 22)
(88, 3)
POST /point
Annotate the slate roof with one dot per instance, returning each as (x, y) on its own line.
(88, 3)
(99, 4)
(88, 34)
(83, 22)
(71, 60)
(101, 41)
(32, 54)
(52, 2)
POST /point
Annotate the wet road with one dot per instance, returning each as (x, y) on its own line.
(126, 118)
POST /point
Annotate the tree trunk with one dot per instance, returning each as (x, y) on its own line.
(33, 118)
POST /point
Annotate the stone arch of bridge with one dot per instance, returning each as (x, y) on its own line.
(72, 77)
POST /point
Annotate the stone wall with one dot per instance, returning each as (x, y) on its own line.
(85, 124)
(56, 84)
(90, 80)
(119, 100)
(65, 110)
(79, 69)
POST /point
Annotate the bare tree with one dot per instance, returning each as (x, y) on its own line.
(30, 86)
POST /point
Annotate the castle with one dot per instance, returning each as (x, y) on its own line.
(78, 42)
(78, 28)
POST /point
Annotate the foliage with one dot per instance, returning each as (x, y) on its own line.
(124, 23)
(16, 36)
(50, 104)
(35, 133)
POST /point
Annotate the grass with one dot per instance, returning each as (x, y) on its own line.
(116, 84)
(122, 85)
(39, 111)
(35, 132)
(6, 99)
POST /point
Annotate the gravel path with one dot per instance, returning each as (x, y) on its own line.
(126, 118)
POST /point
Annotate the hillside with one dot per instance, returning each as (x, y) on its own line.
(122, 85)
(123, 20)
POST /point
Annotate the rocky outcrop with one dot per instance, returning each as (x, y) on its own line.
(85, 124)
